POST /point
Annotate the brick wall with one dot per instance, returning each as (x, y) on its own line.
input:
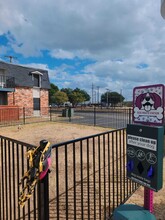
(44, 95)
(23, 97)
(44, 99)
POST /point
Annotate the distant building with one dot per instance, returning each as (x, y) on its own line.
(24, 87)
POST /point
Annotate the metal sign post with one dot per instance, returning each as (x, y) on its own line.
(148, 109)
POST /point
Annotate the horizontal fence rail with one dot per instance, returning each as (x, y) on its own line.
(13, 165)
(88, 177)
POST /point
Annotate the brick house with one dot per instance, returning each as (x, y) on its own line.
(24, 87)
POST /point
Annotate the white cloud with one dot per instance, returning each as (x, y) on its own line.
(101, 30)
(62, 54)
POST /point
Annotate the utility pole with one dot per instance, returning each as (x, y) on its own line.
(11, 58)
(121, 97)
(92, 92)
(98, 94)
(107, 98)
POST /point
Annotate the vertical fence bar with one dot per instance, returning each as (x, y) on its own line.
(99, 167)
(24, 116)
(0, 196)
(124, 163)
(104, 176)
(14, 176)
(94, 114)
(81, 170)
(34, 206)
(9, 170)
(113, 171)
(66, 179)
(74, 179)
(120, 159)
(109, 175)
(50, 113)
(117, 173)
(2, 180)
(88, 185)
(22, 173)
(18, 177)
(130, 115)
(57, 184)
(94, 179)
(33, 193)
(6, 181)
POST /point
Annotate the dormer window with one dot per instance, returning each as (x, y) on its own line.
(36, 78)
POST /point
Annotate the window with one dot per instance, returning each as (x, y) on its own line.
(3, 98)
(2, 78)
(36, 103)
(36, 80)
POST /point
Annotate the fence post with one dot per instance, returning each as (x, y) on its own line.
(130, 115)
(50, 111)
(43, 198)
(94, 116)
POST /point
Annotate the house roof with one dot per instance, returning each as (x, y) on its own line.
(22, 75)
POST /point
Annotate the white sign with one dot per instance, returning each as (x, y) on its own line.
(143, 142)
(148, 104)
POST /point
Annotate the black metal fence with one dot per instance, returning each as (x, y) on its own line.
(111, 118)
(87, 180)
(13, 165)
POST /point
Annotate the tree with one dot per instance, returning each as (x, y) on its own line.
(60, 97)
(52, 91)
(68, 91)
(112, 98)
(84, 94)
(76, 97)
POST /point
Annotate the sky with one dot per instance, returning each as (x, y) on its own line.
(112, 45)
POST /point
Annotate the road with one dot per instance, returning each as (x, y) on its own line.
(103, 119)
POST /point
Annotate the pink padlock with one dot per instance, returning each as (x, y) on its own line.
(43, 173)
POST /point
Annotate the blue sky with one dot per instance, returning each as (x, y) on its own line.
(115, 45)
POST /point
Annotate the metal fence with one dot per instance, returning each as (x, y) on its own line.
(13, 165)
(110, 118)
(87, 180)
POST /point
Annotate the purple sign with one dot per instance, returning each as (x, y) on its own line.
(148, 105)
